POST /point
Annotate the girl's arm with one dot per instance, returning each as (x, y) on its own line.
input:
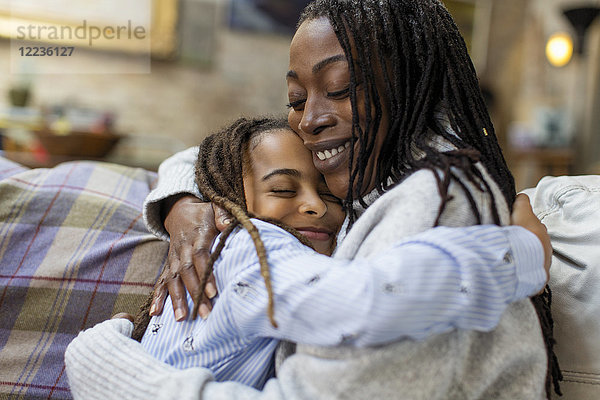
(428, 284)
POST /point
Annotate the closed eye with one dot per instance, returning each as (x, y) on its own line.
(339, 94)
(283, 192)
(296, 105)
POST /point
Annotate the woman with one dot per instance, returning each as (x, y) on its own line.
(384, 95)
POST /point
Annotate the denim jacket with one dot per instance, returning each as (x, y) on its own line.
(569, 206)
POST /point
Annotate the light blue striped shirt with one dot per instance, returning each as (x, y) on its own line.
(431, 283)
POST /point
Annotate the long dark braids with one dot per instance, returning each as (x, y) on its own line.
(408, 58)
(219, 175)
(222, 160)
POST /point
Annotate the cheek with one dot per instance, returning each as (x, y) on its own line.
(270, 207)
(338, 216)
(294, 119)
(338, 183)
(360, 107)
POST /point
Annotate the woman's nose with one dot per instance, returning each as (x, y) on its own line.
(315, 118)
(313, 205)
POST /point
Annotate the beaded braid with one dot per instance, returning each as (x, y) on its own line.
(222, 161)
(408, 56)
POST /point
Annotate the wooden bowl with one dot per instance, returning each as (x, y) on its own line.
(78, 144)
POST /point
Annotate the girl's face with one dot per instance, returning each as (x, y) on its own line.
(282, 183)
(320, 111)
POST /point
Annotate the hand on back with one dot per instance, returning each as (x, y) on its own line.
(523, 215)
(192, 226)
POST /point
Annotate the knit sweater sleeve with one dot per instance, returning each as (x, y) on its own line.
(92, 366)
(104, 363)
(175, 176)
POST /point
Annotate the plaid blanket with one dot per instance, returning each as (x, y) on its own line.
(73, 251)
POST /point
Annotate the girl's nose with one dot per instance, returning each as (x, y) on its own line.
(313, 205)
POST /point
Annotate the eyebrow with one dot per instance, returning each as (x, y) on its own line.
(282, 171)
(320, 65)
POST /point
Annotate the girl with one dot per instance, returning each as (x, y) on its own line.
(253, 167)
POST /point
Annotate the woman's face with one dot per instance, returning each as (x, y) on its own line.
(281, 182)
(320, 111)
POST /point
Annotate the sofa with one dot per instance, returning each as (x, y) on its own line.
(74, 251)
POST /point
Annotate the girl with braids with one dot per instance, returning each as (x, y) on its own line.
(252, 167)
(383, 94)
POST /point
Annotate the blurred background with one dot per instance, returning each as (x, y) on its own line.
(211, 61)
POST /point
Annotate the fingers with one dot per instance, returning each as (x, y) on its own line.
(222, 218)
(178, 296)
(191, 274)
(522, 210)
(524, 216)
(191, 227)
(200, 259)
(160, 294)
(211, 287)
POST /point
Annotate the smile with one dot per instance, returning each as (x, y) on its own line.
(327, 154)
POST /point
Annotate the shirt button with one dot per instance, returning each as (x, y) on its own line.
(188, 344)
(508, 258)
(155, 328)
(312, 281)
(348, 338)
(241, 288)
(392, 288)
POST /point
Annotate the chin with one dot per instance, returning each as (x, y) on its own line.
(323, 248)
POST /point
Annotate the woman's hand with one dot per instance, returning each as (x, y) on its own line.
(192, 226)
(123, 315)
(523, 215)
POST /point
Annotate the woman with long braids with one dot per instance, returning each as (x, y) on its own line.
(384, 95)
(259, 167)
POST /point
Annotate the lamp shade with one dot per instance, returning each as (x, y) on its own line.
(581, 18)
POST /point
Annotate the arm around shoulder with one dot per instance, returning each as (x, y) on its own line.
(176, 176)
(104, 363)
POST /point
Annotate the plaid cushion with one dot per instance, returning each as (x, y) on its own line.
(73, 251)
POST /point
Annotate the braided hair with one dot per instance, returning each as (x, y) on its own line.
(408, 57)
(223, 158)
(223, 161)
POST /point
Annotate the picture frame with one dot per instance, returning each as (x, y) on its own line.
(68, 14)
(266, 16)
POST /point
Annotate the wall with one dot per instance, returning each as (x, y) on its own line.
(573, 88)
(181, 101)
(523, 81)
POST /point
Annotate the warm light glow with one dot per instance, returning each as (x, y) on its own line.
(559, 49)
